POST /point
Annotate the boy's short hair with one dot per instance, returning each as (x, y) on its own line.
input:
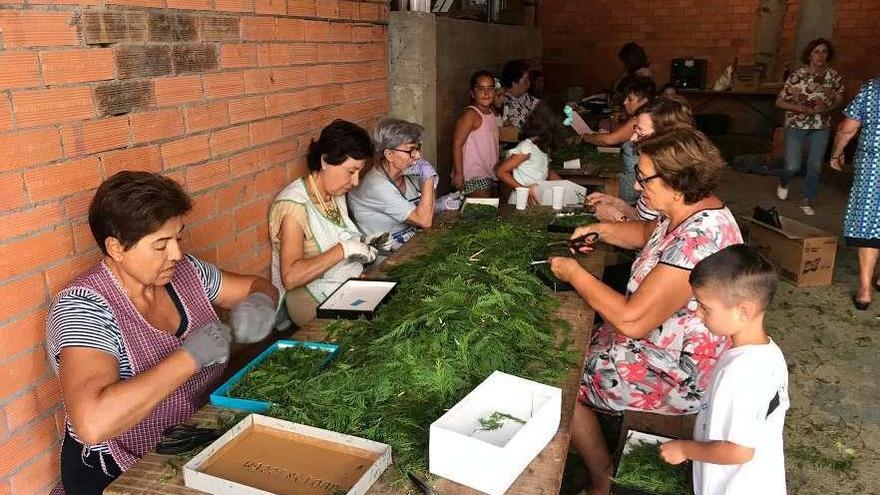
(739, 274)
(642, 87)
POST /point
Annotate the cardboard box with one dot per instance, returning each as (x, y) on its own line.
(803, 254)
(508, 134)
(463, 449)
(267, 456)
(747, 78)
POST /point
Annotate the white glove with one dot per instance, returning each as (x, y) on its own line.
(358, 252)
(423, 169)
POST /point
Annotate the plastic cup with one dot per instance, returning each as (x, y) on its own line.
(558, 197)
(522, 198)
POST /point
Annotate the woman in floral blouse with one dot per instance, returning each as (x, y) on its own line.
(518, 103)
(653, 353)
(809, 96)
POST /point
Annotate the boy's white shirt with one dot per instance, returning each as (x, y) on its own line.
(745, 381)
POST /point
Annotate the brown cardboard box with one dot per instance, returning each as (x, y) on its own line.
(746, 78)
(508, 134)
(803, 254)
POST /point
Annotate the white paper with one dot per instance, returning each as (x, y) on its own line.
(572, 164)
(358, 295)
(579, 125)
(614, 150)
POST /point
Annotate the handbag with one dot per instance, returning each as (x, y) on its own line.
(770, 216)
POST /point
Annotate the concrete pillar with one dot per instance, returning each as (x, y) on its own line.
(815, 20)
(412, 73)
(770, 16)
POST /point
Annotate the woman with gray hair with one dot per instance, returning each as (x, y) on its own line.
(397, 195)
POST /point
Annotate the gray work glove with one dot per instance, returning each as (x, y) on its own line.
(209, 344)
(253, 319)
(359, 252)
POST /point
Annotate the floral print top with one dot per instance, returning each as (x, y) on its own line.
(820, 91)
(667, 371)
(518, 108)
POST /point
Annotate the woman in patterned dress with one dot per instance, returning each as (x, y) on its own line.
(809, 96)
(653, 353)
(861, 224)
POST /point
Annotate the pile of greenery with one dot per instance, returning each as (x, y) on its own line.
(477, 211)
(572, 150)
(278, 371)
(573, 220)
(468, 307)
(642, 468)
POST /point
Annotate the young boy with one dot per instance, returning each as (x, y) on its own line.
(737, 446)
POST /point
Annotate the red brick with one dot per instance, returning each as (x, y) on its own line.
(21, 296)
(328, 9)
(290, 29)
(73, 66)
(331, 52)
(11, 192)
(305, 53)
(37, 28)
(303, 8)
(278, 7)
(52, 106)
(84, 138)
(369, 12)
(28, 442)
(5, 114)
(77, 206)
(224, 85)
(83, 240)
(242, 190)
(20, 70)
(199, 177)
(257, 28)
(271, 181)
(59, 276)
(21, 149)
(348, 9)
(138, 3)
(28, 407)
(145, 158)
(241, 246)
(189, 4)
(282, 103)
(316, 30)
(23, 333)
(251, 214)
(177, 90)
(248, 162)
(202, 117)
(185, 151)
(238, 56)
(62, 179)
(265, 131)
(332, 94)
(289, 78)
(30, 220)
(234, 5)
(274, 54)
(246, 109)
(280, 152)
(258, 81)
(340, 31)
(211, 231)
(230, 140)
(38, 476)
(320, 75)
(153, 126)
(204, 207)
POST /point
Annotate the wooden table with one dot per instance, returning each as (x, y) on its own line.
(742, 106)
(154, 476)
(604, 173)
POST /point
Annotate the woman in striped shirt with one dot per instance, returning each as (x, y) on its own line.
(135, 339)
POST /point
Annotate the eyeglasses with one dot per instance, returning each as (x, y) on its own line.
(410, 152)
(642, 180)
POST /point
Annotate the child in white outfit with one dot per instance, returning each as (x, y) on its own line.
(737, 446)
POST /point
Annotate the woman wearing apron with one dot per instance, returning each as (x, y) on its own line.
(135, 339)
(396, 196)
(315, 245)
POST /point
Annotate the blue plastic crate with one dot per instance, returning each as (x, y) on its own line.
(220, 397)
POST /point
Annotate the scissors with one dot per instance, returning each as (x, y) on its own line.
(421, 483)
(577, 243)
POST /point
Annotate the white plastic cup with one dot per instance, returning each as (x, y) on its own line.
(558, 197)
(522, 198)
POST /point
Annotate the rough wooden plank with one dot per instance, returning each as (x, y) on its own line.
(542, 476)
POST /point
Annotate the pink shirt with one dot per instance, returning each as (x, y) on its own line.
(480, 151)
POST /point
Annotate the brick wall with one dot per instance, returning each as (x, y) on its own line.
(581, 38)
(221, 95)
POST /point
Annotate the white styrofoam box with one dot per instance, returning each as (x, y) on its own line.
(574, 164)
(481, 201)
(194, 478)
(490, 461)
(614, 150)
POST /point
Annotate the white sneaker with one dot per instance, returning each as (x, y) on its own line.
(808, 210)
(782, 193)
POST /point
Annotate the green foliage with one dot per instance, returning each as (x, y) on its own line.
(476, 211)
(283, 367)
(468, 307)
(496, 420)
(642, 468)
(576, 149)
(573, 220)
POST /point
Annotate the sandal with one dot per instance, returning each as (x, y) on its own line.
(860, 305)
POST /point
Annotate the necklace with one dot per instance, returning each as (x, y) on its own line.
(332, 212)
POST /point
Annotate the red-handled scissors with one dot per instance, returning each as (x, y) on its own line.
(578, 243)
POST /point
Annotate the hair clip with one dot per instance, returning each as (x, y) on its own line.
(568, 111)
(497, 84)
